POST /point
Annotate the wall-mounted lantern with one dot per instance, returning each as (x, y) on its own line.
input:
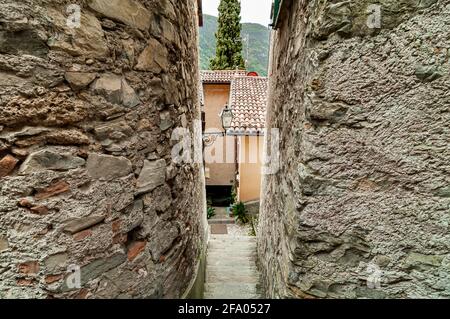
(227, 117)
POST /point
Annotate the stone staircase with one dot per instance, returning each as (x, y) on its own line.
(231, 271)
(221, 217)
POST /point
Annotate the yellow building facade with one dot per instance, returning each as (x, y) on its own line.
(235, 159)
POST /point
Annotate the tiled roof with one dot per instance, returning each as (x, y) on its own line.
(225, 76)
(248, 99)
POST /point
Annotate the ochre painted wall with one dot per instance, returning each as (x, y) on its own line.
(222, 171)
(250, 158)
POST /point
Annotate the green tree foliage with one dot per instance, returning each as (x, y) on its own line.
(256, 50)
(229, 41)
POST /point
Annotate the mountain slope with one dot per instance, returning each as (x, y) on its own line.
(255, 39)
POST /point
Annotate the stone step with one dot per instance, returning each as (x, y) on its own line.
(231, 277)
(220, 210)
(242, 243)
(214, 295)
(229, 253)
(231, 243)
(231, 248)
(231, 291)
(231, 270)
(228, 221)
(227, 263)
(229, 237)
(233, 240)
(247, 270)
(241, 262)
(237, 255)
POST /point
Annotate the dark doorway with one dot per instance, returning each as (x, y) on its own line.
(219, 196)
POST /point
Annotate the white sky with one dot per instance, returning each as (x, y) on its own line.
(256, 11)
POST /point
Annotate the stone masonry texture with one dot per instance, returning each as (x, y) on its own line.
(87, 182)
(360, 205)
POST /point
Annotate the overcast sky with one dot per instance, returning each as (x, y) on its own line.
(256, 11)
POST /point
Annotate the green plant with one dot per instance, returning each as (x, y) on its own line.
(239, 212)
(211, 211)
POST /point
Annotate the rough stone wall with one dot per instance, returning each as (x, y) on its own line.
(363, 192)
(86, 174)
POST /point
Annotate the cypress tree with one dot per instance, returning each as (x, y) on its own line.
(228, 35)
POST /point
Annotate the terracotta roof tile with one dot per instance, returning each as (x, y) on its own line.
(225, 76)
(248, 99)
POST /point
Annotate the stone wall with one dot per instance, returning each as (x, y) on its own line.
(360, 206)
(87, 183)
